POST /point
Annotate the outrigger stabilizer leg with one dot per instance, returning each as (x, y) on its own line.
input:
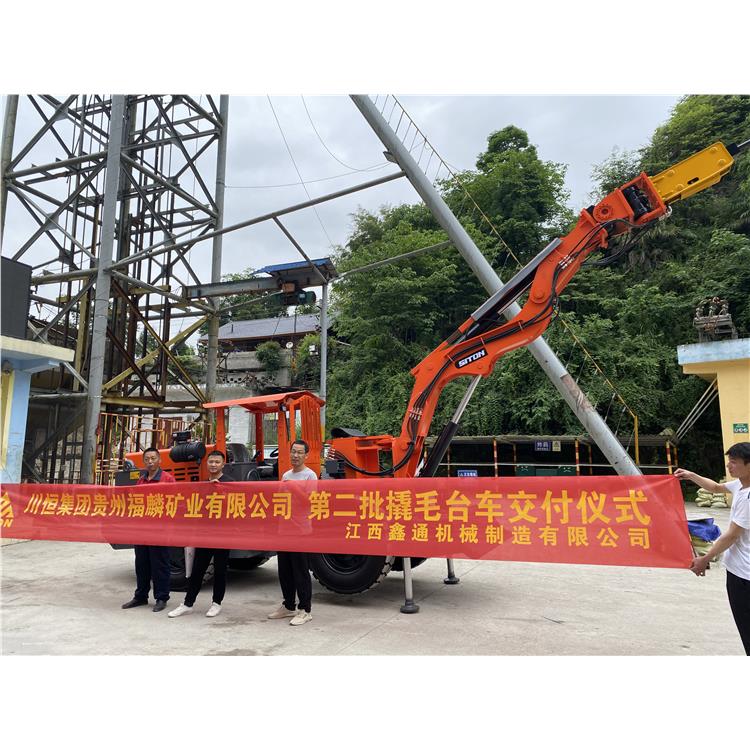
(408, 607)
(451, 579)
(438, 451)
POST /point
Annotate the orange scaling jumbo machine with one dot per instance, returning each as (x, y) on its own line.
(471, 351)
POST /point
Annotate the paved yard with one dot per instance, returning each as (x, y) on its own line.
(64, 598)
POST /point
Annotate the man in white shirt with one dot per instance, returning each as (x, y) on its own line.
(735, 542)
(294, 568)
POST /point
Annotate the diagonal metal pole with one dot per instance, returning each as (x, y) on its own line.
(539, 349)
(141, 316)
(102, 292)
(159, 249)
(152, 355)
(48, 125)
(62, 207)
(189, 161)
(77, 116)
(32, 207)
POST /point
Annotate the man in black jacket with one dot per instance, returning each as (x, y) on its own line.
(151, 562)
(215, 462)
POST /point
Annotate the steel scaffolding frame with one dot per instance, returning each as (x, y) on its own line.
(105, 183)
(160, 169)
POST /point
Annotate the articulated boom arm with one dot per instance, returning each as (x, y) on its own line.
(474, 348)
(480, 341)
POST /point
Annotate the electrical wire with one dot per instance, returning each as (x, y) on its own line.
(318, 179)
(296, 169)
(343, 164)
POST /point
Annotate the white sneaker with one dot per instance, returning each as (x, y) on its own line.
(181, 610)
(301, 618)
(282, 611)
(213, 610)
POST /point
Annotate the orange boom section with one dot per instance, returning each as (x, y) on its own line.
(474, 348)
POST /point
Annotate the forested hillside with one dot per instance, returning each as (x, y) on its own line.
(630, 315)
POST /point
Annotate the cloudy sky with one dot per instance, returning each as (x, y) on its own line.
(329, 142)
(576, 131)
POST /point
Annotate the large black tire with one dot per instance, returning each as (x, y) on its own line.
(398, 564)
(177, 578)
(248, 563)
(349, 574)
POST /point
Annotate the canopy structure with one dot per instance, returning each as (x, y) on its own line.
(267, 403)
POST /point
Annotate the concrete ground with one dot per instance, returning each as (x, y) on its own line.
(64, 598)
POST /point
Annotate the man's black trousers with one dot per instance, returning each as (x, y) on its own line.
(294, 577)
(200, 566)
(151, 564)
(738, 590)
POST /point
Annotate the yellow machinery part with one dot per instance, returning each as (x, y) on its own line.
(693, 174)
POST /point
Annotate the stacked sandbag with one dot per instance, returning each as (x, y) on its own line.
(703, 533)
(706, 499)
(701, 547)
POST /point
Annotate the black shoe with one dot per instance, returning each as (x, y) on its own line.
(134, 603)
(159, 606)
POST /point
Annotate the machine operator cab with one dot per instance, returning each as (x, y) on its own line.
(295, 414)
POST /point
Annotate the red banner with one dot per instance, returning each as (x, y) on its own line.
(599, 520)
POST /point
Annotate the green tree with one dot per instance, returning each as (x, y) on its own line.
(619, 168)
(523, 197)
(631, 315)
(306, 366)
(270, 357)
(650, 294)
(395, 315)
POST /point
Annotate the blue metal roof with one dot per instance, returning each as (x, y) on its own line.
(324, 264)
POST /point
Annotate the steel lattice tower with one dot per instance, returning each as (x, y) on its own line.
(96, 196)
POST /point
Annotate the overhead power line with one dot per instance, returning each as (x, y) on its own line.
(296, 169)
(322, 142)
(318, 179)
